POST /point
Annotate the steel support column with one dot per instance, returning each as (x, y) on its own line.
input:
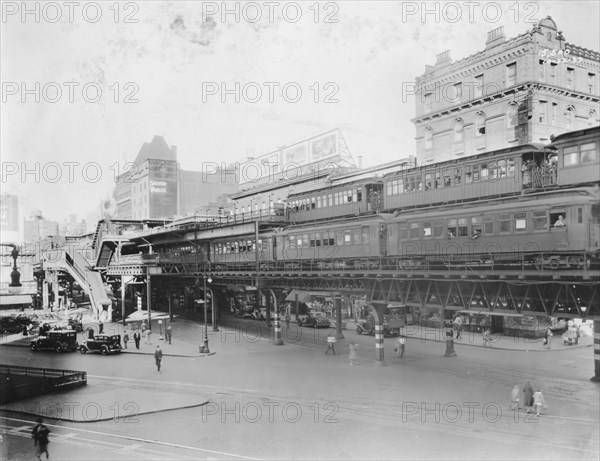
(596, 376)
(277, 336)
(337, 300)
(379, 308)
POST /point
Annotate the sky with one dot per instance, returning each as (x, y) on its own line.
(84, 87)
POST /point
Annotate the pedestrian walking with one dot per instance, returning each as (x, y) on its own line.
(287, 320)
(548, 339)
(400, 346)
(40, 435)
(331, 340)
(458, 326)
(353, 356)
(486, 337)
(528, 396)
(538, 401)
(514, 397)
(168, 333)
(100, 328)
(125, 338)
(158, 357)
(137, 337)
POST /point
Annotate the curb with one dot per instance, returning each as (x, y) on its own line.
(505, 348)
(25, 413)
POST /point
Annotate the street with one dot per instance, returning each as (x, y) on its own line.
(293, 402)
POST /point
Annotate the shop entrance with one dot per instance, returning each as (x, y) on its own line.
(497, 324)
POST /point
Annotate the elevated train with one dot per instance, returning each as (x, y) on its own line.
(527, 208)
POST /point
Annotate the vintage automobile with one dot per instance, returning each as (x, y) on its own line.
(58, 340)
(314, 320)
(105, 344)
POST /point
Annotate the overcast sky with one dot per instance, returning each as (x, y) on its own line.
(356, 54)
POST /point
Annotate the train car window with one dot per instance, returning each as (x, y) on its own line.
(319, 201)
(305, 241)
(407, 185)
(468, 175)
(438, 180)
(330, 200)
(349, 196)
(510, 165)
(595, 213)
(388, 188)
(520, 222)
(579, 215)
(504, 223)
(427, 181)
(488, 225)
(347, 237)
(463, 228)
(589, 154)
(413, 230)
(358, 195)
(311, 237)
(403, 231)
(458, 176)
(324, 200)
(484, 172)
(339, 237)
(476, 228)
(427, 228)
(365, 235)
(318, 239)
(447, 178)
(331, 238)
(356, 236)
(438, 229)
(354, 195)
(419, 183)
(501, 171)
(313, 203)
(570, 156)
(475, 173)
(452, 230)
(392, 187)
(557, 219)
(540, 220)
(493, 170)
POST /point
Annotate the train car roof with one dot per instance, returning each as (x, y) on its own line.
(565, 137)
(332, 184)
(523, 148)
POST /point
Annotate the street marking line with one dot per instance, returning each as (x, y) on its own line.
(139, 439)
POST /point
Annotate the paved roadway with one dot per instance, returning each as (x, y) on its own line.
(293, 402)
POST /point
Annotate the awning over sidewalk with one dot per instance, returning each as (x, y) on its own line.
(304, 296)
(15, 299)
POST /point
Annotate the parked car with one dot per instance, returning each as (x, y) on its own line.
(105, 344)
(57, 340)
(315, 321)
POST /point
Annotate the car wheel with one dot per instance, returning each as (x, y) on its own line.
(58, 347)
(359, 331)
(104, 350)
(315, 326)
(34, 347)
(82, 350)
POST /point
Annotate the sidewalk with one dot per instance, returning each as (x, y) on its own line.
(498, 341)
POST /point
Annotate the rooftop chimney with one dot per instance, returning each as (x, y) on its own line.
(495, 37)
(360, 161)
(443, 59)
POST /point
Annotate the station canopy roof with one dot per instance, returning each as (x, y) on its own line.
(305, 296)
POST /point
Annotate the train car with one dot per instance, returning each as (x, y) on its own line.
(334, 200)
(578, 159)
(357, 243)
(240, 252)
(549, 230)
(492, 174)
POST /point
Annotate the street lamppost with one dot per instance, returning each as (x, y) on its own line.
(206, 278)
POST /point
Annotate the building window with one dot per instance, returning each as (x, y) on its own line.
(480, 124)
(458, 130)
(592, 118)
(478, 87)
(591, 82)
(428, 138)
(569, 117)
(542, 112)
(428, 100)
(589, 154)
(511, 74)
(570, 77)
(512, 115)
(542, 68)
(553, 67)
(570, 156)
(554, 114)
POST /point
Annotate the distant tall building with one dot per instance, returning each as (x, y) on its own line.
(37, 228)
(156, 187)
(516, 91)
(9, 217)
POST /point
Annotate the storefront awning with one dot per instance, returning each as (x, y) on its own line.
(14, 299)
(305, 296)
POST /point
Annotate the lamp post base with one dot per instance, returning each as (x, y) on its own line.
(215, 328)
(204, 348)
